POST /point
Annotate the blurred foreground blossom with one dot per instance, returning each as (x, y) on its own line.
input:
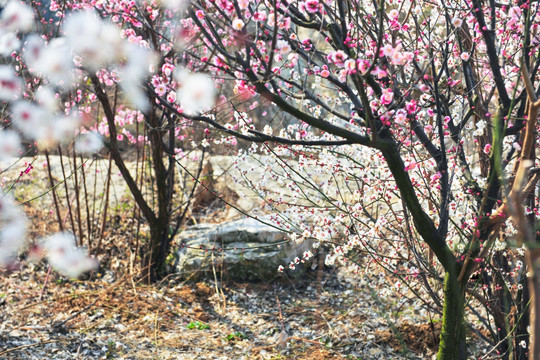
(13, 225)
(53, 60)
(8, 43)
(65, 257)
(197, 92)
(132, 71)
(42, 125)
(97, 42)
(28, 118)
(88, 143)
(46, 97)
(17, 16)
(10, 84)
(10, 142)
(176, 5)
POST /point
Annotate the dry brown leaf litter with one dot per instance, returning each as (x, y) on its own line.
(177, 320)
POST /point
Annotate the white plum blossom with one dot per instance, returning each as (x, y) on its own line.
(238, 24)
(480, 128)
(197, 92)
(65, 257)
(267, 130)
(350, 64)
(283, 46)
(457, 22)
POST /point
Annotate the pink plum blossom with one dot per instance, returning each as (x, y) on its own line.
(312, 6)
(387, 96)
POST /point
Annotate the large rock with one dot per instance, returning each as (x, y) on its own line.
(250, 251)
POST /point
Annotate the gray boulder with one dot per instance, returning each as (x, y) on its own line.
(244, 249)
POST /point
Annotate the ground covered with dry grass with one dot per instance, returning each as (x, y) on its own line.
(328, 317)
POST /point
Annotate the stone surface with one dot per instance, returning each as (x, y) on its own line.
(259, 251)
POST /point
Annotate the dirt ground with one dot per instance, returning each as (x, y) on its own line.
(105, 317)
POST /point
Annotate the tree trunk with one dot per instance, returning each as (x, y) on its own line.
(453, 345)
(158, 246)
(152, 262)
(532, 257)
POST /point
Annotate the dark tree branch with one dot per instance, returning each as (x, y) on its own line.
(115, 153)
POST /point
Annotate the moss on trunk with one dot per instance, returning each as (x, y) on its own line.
(453, 344)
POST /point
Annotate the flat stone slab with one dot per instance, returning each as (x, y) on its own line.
(244, 250)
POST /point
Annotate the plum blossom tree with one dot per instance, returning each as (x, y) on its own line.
(424, 118)
(405, 131)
